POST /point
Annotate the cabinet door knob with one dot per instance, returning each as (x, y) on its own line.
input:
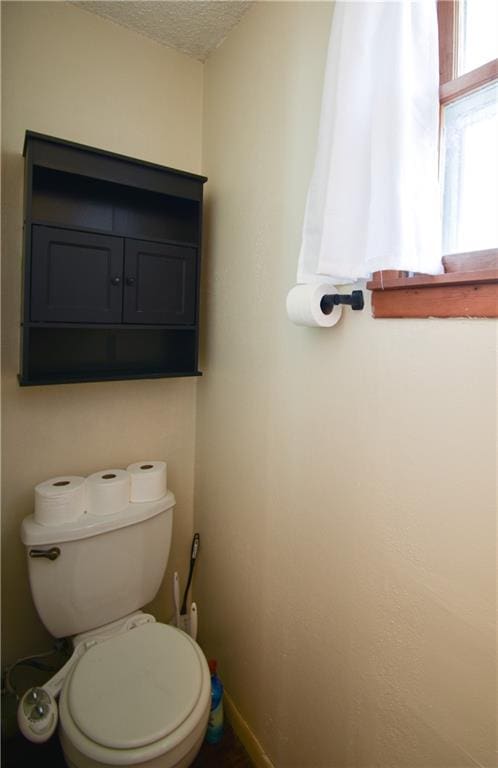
(130, 281)
(115, 280)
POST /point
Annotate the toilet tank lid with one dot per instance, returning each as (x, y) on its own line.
(32, 533)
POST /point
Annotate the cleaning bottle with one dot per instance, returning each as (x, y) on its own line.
(215, 722)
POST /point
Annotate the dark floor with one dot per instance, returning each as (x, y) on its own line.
(229, 753)
(17, 752)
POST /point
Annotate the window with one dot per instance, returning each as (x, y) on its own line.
(468, 43)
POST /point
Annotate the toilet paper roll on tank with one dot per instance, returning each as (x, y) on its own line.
(61, 500)
(304, 305)
(148, 480)
(108, 491)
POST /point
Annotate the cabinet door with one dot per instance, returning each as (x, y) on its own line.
(76, 277)
(160, 283)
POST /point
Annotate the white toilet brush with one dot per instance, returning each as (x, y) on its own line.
(187, 622)
(176, 597)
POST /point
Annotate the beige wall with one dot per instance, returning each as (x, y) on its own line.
(71, 74)
(345, 478)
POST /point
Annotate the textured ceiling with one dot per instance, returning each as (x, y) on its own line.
(194, 27)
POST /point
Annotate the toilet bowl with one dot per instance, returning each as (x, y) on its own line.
(140, 698)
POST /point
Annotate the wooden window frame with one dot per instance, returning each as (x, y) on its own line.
(469, 285)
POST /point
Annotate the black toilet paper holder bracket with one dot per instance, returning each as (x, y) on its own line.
(330, 300)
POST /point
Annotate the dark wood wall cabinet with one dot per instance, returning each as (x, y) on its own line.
(112, 254)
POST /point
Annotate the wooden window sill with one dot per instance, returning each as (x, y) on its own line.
(467, 288)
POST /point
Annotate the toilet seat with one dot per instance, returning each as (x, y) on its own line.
(136, 696)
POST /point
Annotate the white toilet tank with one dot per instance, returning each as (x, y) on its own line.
(102, 568)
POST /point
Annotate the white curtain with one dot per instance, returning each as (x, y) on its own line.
(373, 201)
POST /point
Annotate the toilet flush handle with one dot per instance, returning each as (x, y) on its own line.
(52, 553)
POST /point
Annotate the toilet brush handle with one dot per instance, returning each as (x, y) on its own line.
(193, 621)
(176, 597)
(193, 556)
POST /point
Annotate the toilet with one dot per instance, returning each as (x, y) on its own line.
(136, 692)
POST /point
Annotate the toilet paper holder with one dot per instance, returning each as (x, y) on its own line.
(354, 300)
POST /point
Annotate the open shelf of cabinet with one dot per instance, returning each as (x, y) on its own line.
(111, 268)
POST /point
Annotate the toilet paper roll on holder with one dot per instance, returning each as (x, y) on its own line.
(330, 300)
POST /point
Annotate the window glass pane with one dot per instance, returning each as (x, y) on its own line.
(470, 172)
(477, 33)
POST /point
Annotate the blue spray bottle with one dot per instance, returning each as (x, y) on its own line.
(215, 722)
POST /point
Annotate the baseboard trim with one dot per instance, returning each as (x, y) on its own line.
(247, 738)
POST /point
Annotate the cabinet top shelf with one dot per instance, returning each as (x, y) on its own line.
(113, 233)
(41, 137)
